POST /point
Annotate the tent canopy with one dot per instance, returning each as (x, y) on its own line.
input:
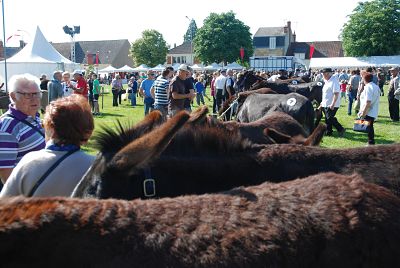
(234, 66)
(197, 67)
(213, 66)
(125, 69)
(158, 68)
(141, 68)
(37, 57)
(355, 62)
(108, 69)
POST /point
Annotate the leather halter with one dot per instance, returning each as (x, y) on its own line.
(149, 184)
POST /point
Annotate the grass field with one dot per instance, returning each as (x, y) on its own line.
(385, 130)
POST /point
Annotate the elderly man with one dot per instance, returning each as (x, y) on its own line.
(177, 91)
(81, 86)
(393, 99)
(331, 102)
(20, 128)
(54, 87)
(145, 91)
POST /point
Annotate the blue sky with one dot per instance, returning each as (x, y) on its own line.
(313, 20)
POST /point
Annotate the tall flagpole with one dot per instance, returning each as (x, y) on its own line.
(4, 47)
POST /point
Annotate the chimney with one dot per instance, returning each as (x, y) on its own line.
(21, 44)
(289, 25)
(294, 37)
(174, 45)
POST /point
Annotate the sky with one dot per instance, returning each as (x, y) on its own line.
(312, 20)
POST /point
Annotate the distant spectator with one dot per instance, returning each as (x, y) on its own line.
(352, 89)
(393, 98)
(116, 89)
(68, 124)
(133, 88)
(199, 86)
(54, 87)
(145, 92)
(189, 89)
(177, 91)
(230, 82)
(20, 128)
(66, 84)
(381, 80)
(220, 88)
(369, 103)
(80, 87)
(96, 94)
(89, 82)
(43, 82)
(213, 91)
(331, 102)
(159, 91)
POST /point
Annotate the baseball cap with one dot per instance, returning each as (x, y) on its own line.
(184, 67)
(77, 72)
(327, 70)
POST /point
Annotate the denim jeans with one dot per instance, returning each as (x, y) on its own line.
(350, 105)
(163, 109)
(148, 105)
(133, 99)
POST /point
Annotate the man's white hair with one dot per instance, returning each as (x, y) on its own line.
(16, 81)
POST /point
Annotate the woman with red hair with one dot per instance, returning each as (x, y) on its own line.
(55, 170)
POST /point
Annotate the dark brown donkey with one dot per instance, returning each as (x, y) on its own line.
(327, 220)
(201, 159)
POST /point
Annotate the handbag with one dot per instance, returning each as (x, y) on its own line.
(361, 125)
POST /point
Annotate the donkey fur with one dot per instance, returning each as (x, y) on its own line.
(327, 220)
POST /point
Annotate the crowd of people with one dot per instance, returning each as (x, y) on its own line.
(33, 155)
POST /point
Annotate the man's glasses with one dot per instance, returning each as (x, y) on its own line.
(35, 95)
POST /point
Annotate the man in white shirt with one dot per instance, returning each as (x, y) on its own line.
(219, 87)
(331, 102)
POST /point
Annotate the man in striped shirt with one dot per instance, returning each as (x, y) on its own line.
(159, 91)
(20, 128)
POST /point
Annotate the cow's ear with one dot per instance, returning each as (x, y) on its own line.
(141, 151)
(198, 116)
(316, 136)
(276, 136)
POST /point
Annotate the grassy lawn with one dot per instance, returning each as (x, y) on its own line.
(385, 130)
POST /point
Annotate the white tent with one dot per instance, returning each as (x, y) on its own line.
(197, 67)
(108, 69)
(234, 66)
(158, 68)
(141, 68)
(38, 57)
(355, 62)
(125, 69)
(212, 66)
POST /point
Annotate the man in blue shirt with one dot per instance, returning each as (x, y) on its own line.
(145, 91)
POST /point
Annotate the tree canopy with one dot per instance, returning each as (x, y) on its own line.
(373, 29)
(221, 38)
(151, 49)
(192, 30)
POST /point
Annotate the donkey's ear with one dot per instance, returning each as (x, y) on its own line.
(198, 116)
(141, 151)
(316, 136)
(276, 136)
(154, 118)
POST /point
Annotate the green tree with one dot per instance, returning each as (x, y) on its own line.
(150, 49)
(373, 29)
(192, 29)
(221, 38)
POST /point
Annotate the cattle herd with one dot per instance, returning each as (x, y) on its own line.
(195, 191)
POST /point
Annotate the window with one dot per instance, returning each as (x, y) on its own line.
(261, 41)
(280, 41)
(301, 56)
(183, 59)
(272, 42)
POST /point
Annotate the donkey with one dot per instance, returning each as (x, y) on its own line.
(327, 220)
(201, 159)
(299, 107)
(274, 127)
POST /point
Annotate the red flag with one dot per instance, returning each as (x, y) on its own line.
(97, 58)
(89, 58)
(311, 50)
(242, 53)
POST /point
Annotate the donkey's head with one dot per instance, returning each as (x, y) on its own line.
(119, 172)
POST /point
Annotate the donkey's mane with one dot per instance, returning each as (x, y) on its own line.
(111, 140)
